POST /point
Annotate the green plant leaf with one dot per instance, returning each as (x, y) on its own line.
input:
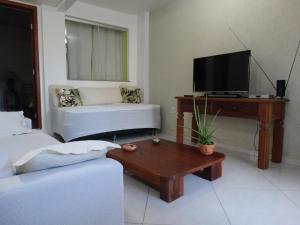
(205, 111)
(214, 119)
(203, 126)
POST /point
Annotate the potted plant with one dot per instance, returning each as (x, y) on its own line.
(204, 128)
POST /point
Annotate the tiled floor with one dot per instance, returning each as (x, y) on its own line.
(244, 195)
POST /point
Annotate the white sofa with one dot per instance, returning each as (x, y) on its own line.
(102, 111)
(90, 192)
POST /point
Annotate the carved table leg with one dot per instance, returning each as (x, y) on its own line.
(264, 144)
(277, 141)
(171, 188)
(179, 128)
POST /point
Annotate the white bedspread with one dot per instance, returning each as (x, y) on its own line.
(72, 148)
(62, 154)
(16, 146)
(75, 122)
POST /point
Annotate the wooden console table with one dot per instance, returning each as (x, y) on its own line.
(266, 111)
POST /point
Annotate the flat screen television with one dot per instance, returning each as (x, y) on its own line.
(227, 73)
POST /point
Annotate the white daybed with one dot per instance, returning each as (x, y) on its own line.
(101, 112)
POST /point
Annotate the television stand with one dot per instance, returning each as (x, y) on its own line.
(266, 111)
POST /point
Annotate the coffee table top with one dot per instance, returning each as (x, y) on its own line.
(165, 159)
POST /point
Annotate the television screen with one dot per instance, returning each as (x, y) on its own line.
(222, 73)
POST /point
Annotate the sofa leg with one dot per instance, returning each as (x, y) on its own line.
(115, 138)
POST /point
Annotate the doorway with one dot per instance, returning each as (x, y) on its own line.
(19, 68)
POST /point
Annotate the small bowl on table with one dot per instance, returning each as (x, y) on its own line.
(129, 147)
(155, 140)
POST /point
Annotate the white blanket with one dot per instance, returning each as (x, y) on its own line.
(16, 146)
(62, 155)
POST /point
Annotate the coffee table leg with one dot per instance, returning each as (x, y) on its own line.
(171, 188)
(211, 173)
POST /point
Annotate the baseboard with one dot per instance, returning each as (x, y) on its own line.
(250, 153)
(290, 161)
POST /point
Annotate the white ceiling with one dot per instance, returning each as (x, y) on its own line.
(126, 6)
(129, 6)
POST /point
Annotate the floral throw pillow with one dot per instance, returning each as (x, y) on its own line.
(131, 95)
(68, 97)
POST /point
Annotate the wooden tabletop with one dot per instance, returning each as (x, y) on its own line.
(165, 159)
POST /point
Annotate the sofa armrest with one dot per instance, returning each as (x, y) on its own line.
(85, 193)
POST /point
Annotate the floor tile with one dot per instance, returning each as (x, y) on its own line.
(241, 173)
(258, 207)
(133, 224)
(136, 194)
(123, 140)
(234, 160)
(283, 177)
(199, 205)
(294, 196)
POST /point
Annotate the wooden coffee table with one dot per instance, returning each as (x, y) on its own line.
(164, 165)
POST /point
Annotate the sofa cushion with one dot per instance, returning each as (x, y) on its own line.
(62, 155)
(53, 95)
(13, 123)
(68, 97)
(97, 96)
(130, 94)
(6, 168)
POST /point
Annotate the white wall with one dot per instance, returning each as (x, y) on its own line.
(184, 30)
(143, 53)
(54, 59)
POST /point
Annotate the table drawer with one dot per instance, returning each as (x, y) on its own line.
(235, 109)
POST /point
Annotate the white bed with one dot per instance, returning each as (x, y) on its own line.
(76, 193)
(75, 122)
